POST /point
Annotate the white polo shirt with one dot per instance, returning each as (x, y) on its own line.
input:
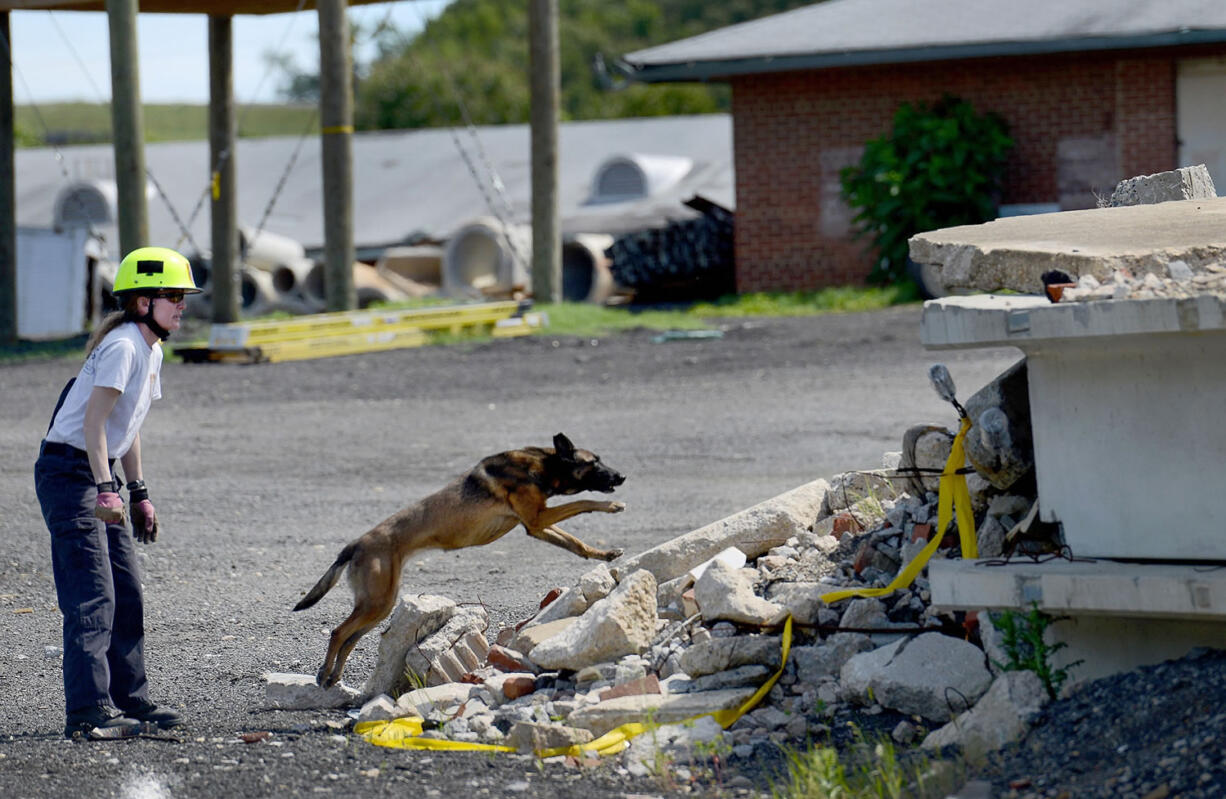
(123, 360)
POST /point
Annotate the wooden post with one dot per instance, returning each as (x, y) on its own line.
(222, 141)
(8, 193)
(545, 81)
(336, 122)
(127, 126)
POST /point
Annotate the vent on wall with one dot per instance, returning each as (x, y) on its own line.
(633, 177)
(86, 204)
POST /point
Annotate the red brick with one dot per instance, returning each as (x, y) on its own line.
(640, 687)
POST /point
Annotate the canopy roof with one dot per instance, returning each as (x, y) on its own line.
(841, 33)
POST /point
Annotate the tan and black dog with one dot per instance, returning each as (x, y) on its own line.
(479, 507)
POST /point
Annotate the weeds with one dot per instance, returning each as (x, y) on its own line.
(867, 770)
(1024, 639)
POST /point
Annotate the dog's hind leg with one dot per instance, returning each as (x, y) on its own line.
(560, 538)
(346, 636)
(374, 581)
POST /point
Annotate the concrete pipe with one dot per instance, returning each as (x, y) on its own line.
(290, 278)
(267, 251)
(486, 259)
(256, 292)
(585, 268)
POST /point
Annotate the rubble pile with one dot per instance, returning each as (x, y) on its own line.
(693, 627)
(1180, 282)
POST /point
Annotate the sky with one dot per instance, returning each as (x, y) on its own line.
(64, 55)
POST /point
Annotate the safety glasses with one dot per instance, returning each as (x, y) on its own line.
(175, 297)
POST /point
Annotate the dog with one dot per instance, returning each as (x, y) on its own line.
(477, 508)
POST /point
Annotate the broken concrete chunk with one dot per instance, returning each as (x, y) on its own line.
(725, 592)
(529, 736)
(299, 692)
(825, 660)
(381, 708)
(924, 447)
(433, 657)
(597, 583)
(1185, 183)
(660, 708)
(754, 531)
(622, 623)
(802, 600)
(922, 675)
(445, 698)
(569, 603)
(721, 654)
(1000, 717)
(527, 638)
(850, 488)
(414, 618)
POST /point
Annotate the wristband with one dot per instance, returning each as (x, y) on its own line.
(109, 487)
(137, 491)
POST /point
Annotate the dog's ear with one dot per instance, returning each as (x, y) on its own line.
(562, 445)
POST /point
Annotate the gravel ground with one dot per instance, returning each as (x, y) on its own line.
(261, 473)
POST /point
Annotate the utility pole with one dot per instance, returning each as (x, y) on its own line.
(336, 122)
(8, 203)
(546, 77)
(224, 264)
(127, 125)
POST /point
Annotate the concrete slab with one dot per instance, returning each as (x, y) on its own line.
(1012, 252)
(1034, 323)
(1100, 587)
(1116, 616)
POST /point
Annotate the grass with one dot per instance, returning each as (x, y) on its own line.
(90, 123)
(579, 319)
(866, 770)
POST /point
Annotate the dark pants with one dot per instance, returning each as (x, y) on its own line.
(97, 583)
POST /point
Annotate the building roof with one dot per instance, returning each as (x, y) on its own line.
(405, 183)
(839, 33)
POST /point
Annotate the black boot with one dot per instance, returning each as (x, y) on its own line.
(148, 713)
(99, 724)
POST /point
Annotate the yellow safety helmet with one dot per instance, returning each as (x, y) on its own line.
(153, 268)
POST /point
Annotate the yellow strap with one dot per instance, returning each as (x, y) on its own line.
(337, 129)
(953, 496)
(404, 733)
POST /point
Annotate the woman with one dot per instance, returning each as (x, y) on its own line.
(98, 420)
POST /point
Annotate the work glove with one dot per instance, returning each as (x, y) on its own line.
(109, 506)
(144, 517)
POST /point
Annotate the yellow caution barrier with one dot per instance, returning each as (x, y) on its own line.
(348, 332)
(405, 733)
(953, 496)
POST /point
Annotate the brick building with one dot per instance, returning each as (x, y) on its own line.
(1094, 91)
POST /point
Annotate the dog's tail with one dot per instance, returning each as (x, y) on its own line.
(329, 579)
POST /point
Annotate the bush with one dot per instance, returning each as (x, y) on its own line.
(938, 167)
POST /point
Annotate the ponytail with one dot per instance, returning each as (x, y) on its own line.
(110, 322)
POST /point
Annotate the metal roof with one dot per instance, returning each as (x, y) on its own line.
(840, 33)
(212, 7)
(404, 182)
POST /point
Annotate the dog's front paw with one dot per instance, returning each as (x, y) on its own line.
(611, 554)
(615, 507)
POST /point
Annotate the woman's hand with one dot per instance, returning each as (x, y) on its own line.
(109, 506)
(144, 522)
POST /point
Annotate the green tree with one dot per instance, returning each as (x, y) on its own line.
(939, 166)
(475, 53)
